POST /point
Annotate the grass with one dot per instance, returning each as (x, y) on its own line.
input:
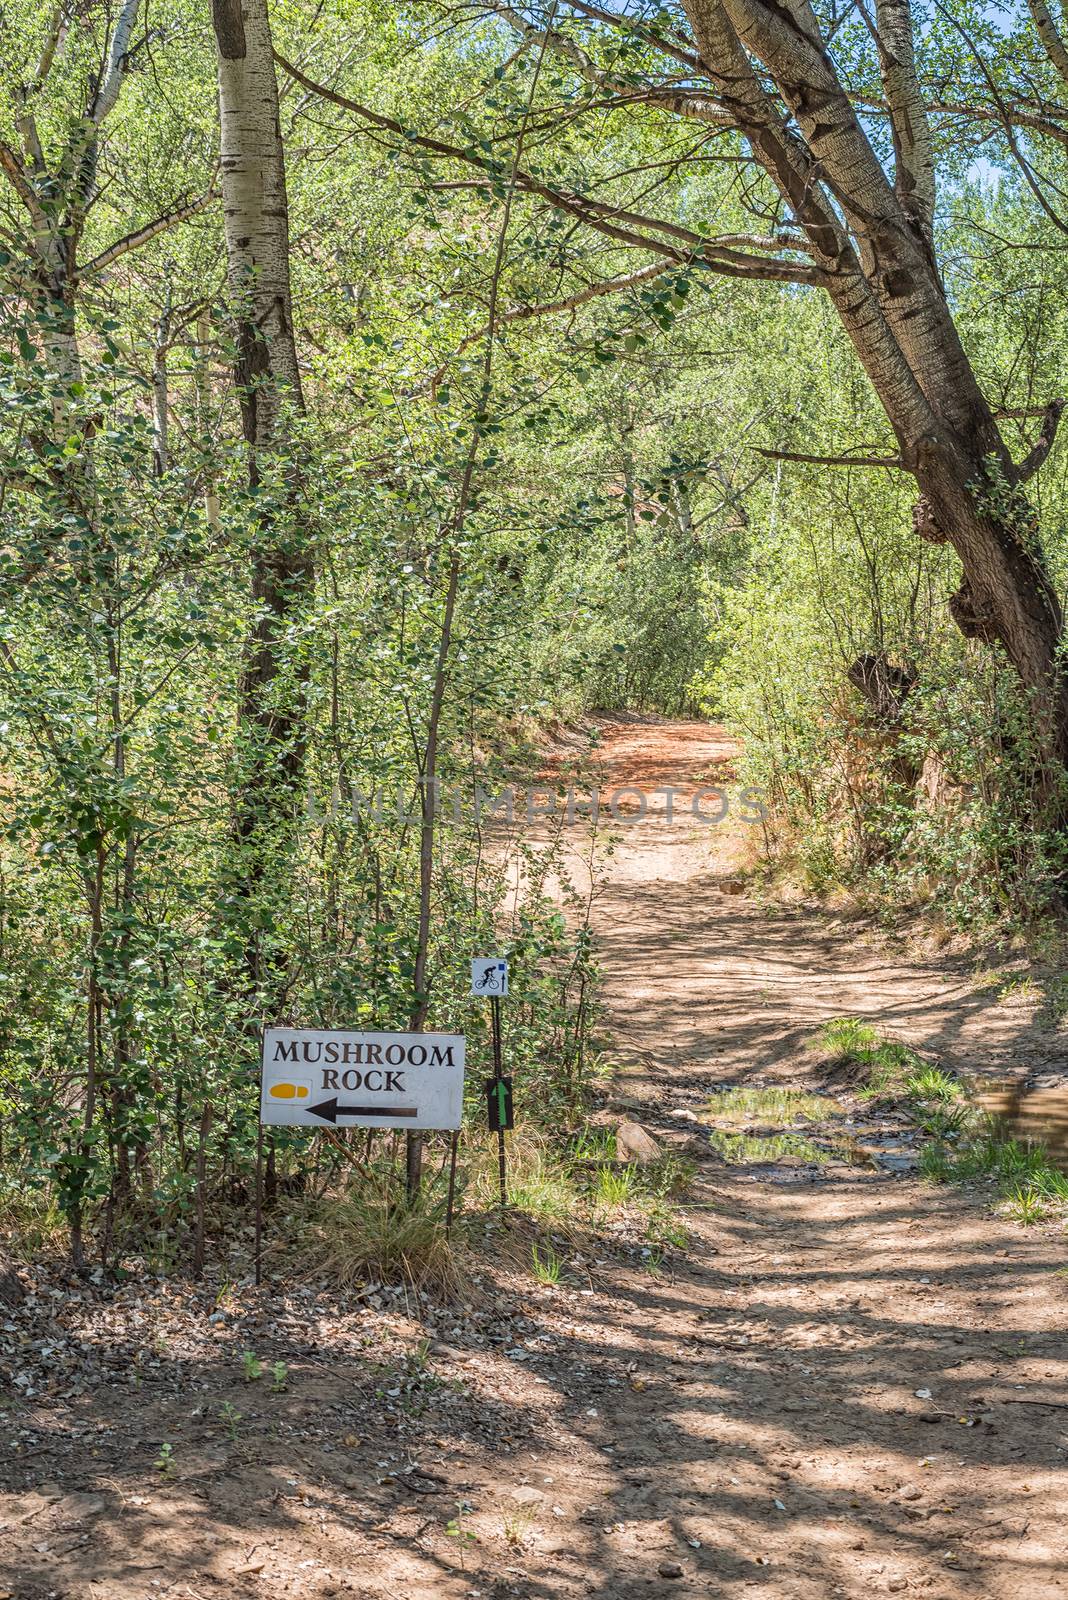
(516, 1526)
(965, 1145)
(594, 1144)
(374, 1231)
(540, 1181)
(547, 1265)
(882, 1065)
(555, 1189)
(1030, 1188)
(31, 1224)
(566, 1189)
(740, 1149)
(741, 1107)
(968, 1146)
(932, 1084)
(615, 1188)
(667, 1178)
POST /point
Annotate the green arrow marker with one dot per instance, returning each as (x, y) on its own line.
(502, 1101)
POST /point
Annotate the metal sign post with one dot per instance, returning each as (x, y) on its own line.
(489, 975)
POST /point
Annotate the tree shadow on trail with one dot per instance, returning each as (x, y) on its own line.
(712, 977)
(753, 1421)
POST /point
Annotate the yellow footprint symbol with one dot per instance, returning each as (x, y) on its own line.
(289, 1091)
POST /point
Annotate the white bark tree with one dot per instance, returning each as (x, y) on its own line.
(256, 215)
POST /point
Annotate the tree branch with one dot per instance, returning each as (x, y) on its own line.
(1006, 122)
(832, 461)
(16, 175)
(570, 302)
(1016, 115)
(1044, 443)
(132, 241)
(689, 57)
(615, 222)
(683, 103)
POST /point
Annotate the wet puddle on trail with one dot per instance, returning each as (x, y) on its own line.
(792, 1134)
(807, 1132)
(1032, 1116)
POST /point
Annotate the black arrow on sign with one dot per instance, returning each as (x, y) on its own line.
(329, 1110)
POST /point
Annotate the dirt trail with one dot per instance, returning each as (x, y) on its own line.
(849, 1383)
(863, 1357)
(696, 969)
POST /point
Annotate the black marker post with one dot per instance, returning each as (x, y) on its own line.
(489, 976)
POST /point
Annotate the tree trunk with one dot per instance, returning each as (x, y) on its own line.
(268, 381)
(873, 241)
(1006, 596)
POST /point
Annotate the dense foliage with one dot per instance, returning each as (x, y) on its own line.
(539, 469)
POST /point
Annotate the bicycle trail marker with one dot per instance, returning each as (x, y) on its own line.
(489, 976)
(330, 1078)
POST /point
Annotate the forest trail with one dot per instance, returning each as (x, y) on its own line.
(849, 1383)
(697, 970)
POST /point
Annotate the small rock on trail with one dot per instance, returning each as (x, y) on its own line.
(633, 1143)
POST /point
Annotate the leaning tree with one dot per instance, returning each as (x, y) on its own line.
(840, 155)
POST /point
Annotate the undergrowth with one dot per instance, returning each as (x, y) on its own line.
(881, 1067)
(1030, 1188)
(564, 1189)
(374, 1231)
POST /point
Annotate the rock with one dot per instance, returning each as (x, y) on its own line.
(77, 1507)
(692, 1145)
(527, 1495)
(670, 1569)
(634, 1144)
(896, 1584)
(898, 1163)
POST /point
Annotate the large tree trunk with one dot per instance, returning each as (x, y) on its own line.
(268, 381)
(873, 239)
(1006, 596)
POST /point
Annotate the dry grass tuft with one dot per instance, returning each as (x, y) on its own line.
(373, 1232)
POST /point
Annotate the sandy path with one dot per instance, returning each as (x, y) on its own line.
(746, 1422)
(786, 1426)
(693, 969)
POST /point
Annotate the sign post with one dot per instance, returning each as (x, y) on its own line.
(489, 975)
(259, 1204)
(330, 1078)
